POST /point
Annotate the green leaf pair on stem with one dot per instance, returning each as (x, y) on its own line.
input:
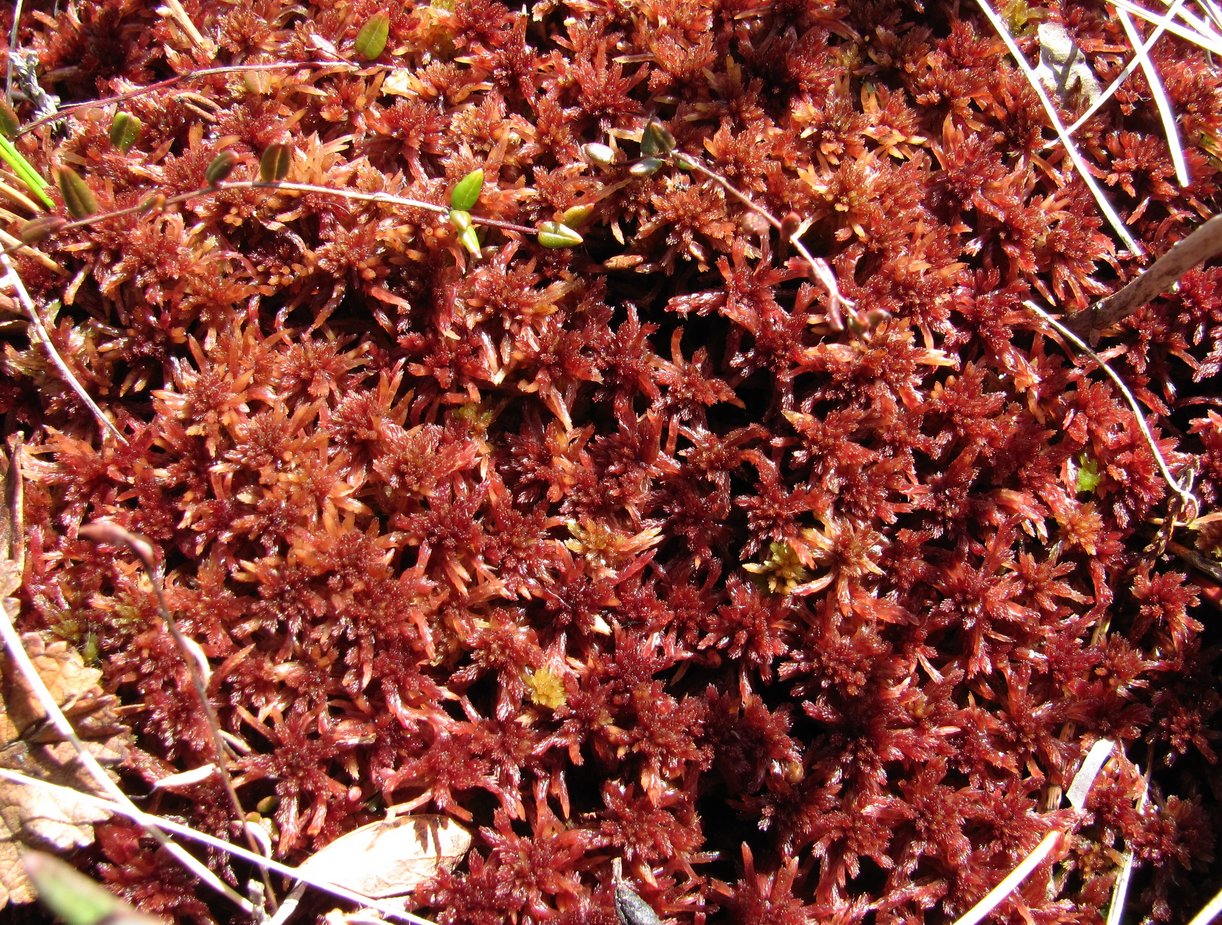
(274, 167)
(464, 197)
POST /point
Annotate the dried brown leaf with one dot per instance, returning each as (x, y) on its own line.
(391, 857)
(29, 815)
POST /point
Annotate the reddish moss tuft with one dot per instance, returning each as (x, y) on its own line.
(625, 551)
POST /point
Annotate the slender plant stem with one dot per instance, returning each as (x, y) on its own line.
(1187, 498)
(819, 267)
(113, 533)
(156, 203)
(179, 78)
(13, 281)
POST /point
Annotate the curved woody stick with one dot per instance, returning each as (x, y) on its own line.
(1205, 242)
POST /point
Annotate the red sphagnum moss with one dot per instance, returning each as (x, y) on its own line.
(624, 551)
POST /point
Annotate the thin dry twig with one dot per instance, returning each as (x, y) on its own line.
(1120, 891)
(162, 826)
(13, 281)
(823, 273)
(1212, 910)
(1202, 244)
(1083, 780)
(70, 108)
(160, 203)
(176, 12)
(1190, 504)
(1197, 35)
(1141, 58)
(1170, 130)
(1075, 156)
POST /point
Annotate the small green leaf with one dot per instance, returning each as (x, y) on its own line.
(683, 162)
(274, 164)
(656, 139)
(1089, 477)
(466, 191)
(460, 219)
(78, 198)
(645, 167)
(221, 167)
(10, 125)
(577, 215)
(554, 234)
(371, 40)
(125, 131)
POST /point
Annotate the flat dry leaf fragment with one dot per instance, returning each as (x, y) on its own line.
(32, 816)
(1062, 69)
(391, 857)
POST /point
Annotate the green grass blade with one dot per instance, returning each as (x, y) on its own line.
(25, 172)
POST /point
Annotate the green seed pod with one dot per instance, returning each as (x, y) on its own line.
(466, 191)
(577, 215)
(39, 229)
(78, 198)
(274, 164)
(125, 131)
(10, 125)
(371, 40)
(656, 139)
(646, 167)
(554, 234)
(221, 167)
